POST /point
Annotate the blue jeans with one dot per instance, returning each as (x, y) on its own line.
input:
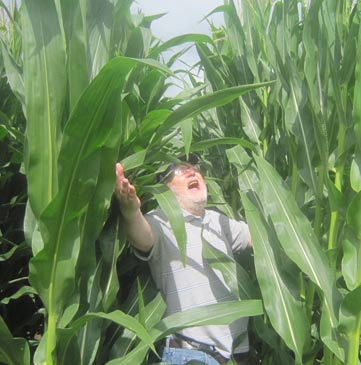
(177, 356)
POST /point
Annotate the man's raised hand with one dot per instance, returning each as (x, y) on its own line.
(126, 194)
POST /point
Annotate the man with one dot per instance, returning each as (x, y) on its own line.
(196, 284)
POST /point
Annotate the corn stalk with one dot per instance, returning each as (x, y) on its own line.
(298, 183)
(92, 90)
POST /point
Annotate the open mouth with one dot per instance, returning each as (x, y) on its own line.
(193, 185)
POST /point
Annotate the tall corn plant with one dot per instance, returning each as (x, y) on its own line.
(300, 179)
(14, 251)
(92, 91)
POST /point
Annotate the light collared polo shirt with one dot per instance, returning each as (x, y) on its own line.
(197, 284)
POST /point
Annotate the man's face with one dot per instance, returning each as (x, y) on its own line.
(188, 185)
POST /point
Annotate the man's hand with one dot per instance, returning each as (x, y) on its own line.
(139, 232)
(129, 202)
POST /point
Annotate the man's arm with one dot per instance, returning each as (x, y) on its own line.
(139, 232)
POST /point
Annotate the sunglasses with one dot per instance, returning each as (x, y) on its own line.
(177, 170)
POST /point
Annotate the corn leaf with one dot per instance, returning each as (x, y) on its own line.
(112, 243)
(13, 351)
(350, 323)
(13, 74)
(355, 172)
(99, 35)
(247, 175)
(117, 316)
(74, 15)
(221, 313)
(203, 145)
(176, 41)
(236, 278)
(215, 196)
(88, 129)
(170, 206)
(202, 103)
(45, 87)
(357, 96)
(187, 132)
(351, 267)
(300, 244)
(153, 313)
(285, 310)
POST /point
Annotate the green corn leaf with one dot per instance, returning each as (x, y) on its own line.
(45, 86)
(112, 242)
(119, 338)
(117, 317)
(92, 224)
(294, 231)
(99, 35)
(214, 75)
(247, 175)
(350, 47)
(202, 103)
(301, 245)
(97, 213)
(74, 15)
(155, 305)
(286, 312)
(90, 300)
(214, 314)
(236, 278)
(357, 95)
(151, 121)
(315, 78)
(170, 206)
(152, 88)
(203, 145)
(13, 351)
(335, 197)
(176, 41)
(13, 74)
(351, 267)
(135, 160)
(221, 313)
(24, 290)
(141, 316)
(355, 172)
(7, 255)
(31, 231)
(88, 129)
(215, 197)
(187, 132)
(136, 46)
(251, 128)
(153, 313)
(136, 356)
(156, 65)
(3, 132)
(354, 215)
(350, 324)
(298, 125)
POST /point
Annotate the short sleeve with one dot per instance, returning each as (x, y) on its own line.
(237, 232)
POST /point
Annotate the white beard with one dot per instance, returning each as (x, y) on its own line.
(193, 203)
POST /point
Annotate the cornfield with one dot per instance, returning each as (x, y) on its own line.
(276, 122)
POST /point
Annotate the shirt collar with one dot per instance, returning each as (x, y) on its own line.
(188, 217)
